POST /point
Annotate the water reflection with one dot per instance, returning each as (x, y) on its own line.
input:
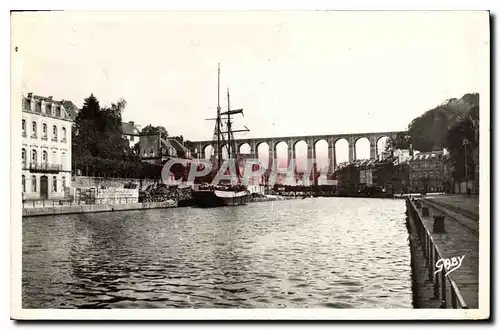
(324, 252)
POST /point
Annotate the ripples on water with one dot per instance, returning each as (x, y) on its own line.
(321, 252)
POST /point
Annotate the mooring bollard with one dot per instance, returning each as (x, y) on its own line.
(438, 224)
(425, 211)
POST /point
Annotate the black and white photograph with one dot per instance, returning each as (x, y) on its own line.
(188, 165)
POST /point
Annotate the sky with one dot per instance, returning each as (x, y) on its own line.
(293, 73)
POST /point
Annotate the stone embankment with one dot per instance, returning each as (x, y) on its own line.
(92, 208)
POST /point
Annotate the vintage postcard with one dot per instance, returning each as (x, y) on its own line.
(187, 165)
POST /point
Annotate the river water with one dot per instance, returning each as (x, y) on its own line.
(318, 252)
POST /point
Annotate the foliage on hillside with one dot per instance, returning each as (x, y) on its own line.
(429, 131)
(461, 140)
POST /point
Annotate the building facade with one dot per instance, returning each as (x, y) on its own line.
(46, 148)
(131, 132)
(430, 172)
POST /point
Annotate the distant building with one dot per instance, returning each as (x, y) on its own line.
(430, 172)
(131, 132)
(71, 109)
(154, 149)
(46, 147)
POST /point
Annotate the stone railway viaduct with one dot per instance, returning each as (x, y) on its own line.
(199, 149)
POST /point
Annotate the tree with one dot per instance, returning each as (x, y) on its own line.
(98, 131)
(428, 132)
(401, 141)
(462, 138)
(155, 130)
(85, 135)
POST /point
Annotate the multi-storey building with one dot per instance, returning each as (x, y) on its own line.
(429, 172)
(46, 148)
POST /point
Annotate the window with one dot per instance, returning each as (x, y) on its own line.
(38, 106)
(54, 157)
(63, 160)
(34, 128)
(44, 157)
(33, 183)
(27, 104)
(58, 111)
(33, 156)
(64, 183)
(64, 133)
(44, 130)
(131, 138)
(23, 182)
(23, 156)
(48, 108)
(54, 184)
(23, 125)
(54, 131)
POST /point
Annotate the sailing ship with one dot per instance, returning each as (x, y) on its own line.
(226, 192)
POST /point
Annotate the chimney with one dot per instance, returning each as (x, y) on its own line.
(30, 95)
(50, 97)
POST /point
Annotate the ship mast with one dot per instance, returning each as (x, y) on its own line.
(218, 137)
(219, 149)
(218, 127)
(230, 136)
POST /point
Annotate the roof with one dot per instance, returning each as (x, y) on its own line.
(61, 112)
(436, 155)
(71, 109)
(129, 128)
(177, 145)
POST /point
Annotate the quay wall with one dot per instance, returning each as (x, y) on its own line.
(434, 234)
(93, 208)
(422, 288)
(89, 181)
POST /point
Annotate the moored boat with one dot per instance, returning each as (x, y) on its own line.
(214, 196)
(223, 194)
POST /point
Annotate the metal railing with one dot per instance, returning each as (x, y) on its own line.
(444, 285)
(36, 203)
(44, 167)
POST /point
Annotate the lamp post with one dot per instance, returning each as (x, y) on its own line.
(465, 142)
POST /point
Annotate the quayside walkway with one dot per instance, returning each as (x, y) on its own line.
(461, 238)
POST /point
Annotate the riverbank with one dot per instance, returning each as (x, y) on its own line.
(94, 208)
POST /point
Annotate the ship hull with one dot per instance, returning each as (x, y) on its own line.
(209, 198)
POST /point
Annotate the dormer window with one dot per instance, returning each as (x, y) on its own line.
(27, 104)
(48, 108)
